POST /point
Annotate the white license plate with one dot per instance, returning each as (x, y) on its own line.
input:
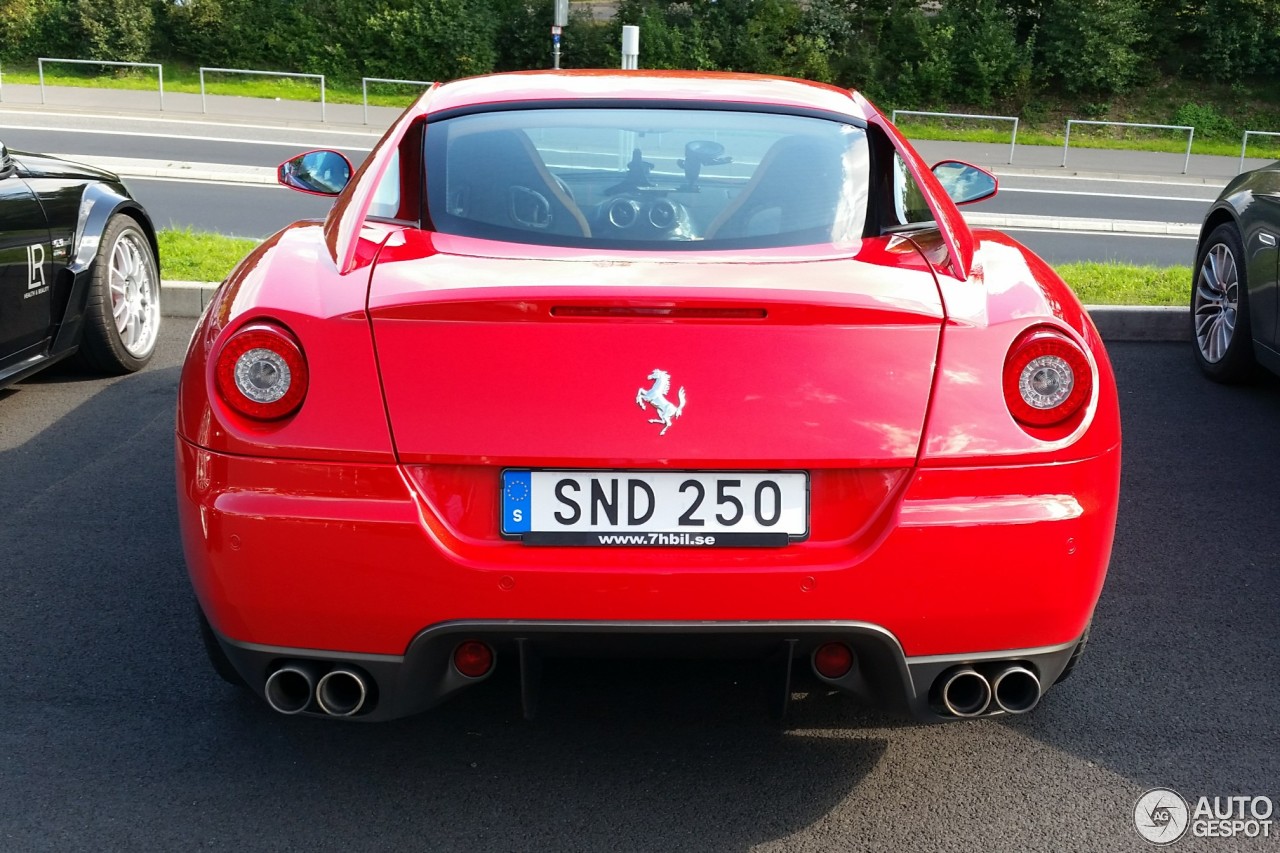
(655, 508)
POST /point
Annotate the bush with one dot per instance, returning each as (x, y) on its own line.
(1092, 47)
(989, 63)
(1208, 122)
(117, 30)
(433, 40)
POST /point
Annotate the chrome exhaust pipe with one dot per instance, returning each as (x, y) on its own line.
(1016, 689)
(289, 689)
(342, 693)
(965, 692)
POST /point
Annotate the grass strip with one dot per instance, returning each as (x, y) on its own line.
(1127, 284)
(187, 255)
(179, 78)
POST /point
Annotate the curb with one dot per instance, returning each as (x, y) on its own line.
(1115, 322)
(1141, 322)
(184, 298)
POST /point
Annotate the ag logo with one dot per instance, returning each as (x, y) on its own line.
(35, 267)
(1161, 816)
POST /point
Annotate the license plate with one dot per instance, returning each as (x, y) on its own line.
(692, 509)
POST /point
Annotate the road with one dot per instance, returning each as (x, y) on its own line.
(117, 736)
(259, 210)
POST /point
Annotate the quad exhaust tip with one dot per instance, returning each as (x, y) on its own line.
(1017, 689)
(965, 692)
(342, 693)
(289, 689)
(294, 686)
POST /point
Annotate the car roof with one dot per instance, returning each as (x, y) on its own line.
(608, 84)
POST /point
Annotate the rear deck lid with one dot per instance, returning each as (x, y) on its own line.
(727, 361)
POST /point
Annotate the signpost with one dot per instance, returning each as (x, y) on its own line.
(561, 20)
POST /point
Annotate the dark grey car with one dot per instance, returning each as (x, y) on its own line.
(1235, 307)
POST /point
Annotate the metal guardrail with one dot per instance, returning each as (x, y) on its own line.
(1013, 140)
(1191, 134)
(40, 61)
(204, 108)
(364, 88)
(1244, 143)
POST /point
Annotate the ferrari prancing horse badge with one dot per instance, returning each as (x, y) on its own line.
(656, 396)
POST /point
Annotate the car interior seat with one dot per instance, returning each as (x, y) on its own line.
(498, 178)
(795, 189)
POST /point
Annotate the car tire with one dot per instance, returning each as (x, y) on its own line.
(1076, 654)
(217, 656)
(122, 312)
(1220, 331)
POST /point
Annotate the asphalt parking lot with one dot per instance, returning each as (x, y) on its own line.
(116, 735)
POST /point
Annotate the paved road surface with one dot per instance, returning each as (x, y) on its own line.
(117, 736)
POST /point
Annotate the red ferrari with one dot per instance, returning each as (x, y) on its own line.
(645, 364)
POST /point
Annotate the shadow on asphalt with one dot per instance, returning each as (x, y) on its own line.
(1179, 684)
(119, 736)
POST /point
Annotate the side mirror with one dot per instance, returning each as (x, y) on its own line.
(965, 184)
(7, 166)
(320, 172)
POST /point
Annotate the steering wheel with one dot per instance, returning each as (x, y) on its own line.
(529, 208)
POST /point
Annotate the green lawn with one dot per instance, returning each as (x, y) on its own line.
(194, 256)
(187, 255)
(179, 78)
(1125, 284)
(1115, 139)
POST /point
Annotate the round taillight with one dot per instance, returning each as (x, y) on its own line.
(833, 660)
(261, 372)
(1047, 378)
(473, 658)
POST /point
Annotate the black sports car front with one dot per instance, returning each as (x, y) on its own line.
(78, 269)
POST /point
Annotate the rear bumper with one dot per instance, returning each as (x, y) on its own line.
(882, 676)
(347, 560)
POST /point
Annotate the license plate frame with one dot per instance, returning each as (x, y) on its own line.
(787, 498)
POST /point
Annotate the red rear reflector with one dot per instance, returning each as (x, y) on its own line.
(473, 658)
(833, 660)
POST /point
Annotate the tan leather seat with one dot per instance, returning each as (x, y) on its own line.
(796, 188)
(498, 178)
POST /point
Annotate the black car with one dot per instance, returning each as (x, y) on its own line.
(1235, 293)
(78, 270)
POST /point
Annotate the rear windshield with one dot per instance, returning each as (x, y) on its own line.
(647, 179)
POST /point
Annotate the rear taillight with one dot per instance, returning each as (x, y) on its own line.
(261, 372)
(1047, 378)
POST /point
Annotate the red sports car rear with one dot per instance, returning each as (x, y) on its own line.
(672, 365)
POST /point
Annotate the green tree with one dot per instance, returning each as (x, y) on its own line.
(111, 29)
(1092, 47)
(433, 40)
(988, 61)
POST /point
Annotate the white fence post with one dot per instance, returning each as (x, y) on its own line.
(1191, 135)
(364, 88)
(204, 108)
(1244, 143)
(40, 61)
